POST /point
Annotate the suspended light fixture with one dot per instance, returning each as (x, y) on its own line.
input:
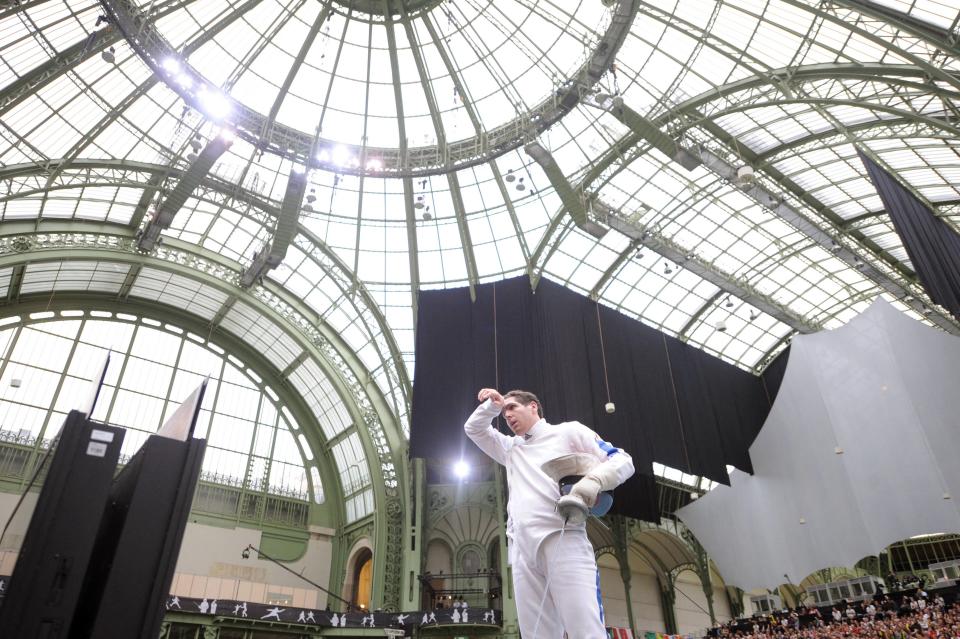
(510, 176)
(754, 315)
(312, 196)
(729, 302)
(521, 186)
(745, 176)
(419, 203)
(110, 55)
(666, 268)
(427, 215)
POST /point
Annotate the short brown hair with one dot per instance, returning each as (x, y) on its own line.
(525, 397)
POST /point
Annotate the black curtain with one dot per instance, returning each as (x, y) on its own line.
(933, 246)
(675, 404)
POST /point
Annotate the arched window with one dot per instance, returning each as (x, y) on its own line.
(254, 443)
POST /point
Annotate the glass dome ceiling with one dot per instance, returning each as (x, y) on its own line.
(379, 86)
(396, 104)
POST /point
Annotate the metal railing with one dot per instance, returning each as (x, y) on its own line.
(482, 589)
(216, 494)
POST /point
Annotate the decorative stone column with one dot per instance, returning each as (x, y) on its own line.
(702, 568)
(668, 599)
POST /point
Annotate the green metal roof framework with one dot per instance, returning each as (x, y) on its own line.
(441, 96)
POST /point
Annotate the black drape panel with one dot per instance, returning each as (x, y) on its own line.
(675, 404)
(933, 247)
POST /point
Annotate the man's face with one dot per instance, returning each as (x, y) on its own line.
(520, 418)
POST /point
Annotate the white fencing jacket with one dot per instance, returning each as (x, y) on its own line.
(531, 509)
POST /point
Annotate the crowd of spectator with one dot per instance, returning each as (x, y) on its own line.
(917, 615)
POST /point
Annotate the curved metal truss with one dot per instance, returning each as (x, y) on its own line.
(338, 360)
(26, 180)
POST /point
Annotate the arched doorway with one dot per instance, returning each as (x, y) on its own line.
(362, 579)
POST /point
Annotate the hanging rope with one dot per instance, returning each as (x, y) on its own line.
(603, 353)
(496, 356)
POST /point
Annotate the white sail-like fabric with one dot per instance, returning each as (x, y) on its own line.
(860, 450)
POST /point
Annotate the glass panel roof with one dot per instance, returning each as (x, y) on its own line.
(93, 141)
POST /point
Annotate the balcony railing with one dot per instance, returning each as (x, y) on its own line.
(216, 495)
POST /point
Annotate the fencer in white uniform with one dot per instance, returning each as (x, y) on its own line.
(543, 559)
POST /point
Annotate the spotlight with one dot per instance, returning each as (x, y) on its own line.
(374, 164)
(461, 469)
(299, 169)
(228, 135)
(171, 65)
(340, 156)
(184, 81)
(216, 105)
(246, 553)
(323, 155)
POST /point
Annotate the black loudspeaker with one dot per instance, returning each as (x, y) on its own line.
(46, 585)
(133, 562)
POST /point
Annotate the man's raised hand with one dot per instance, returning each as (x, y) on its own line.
(492, 394)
